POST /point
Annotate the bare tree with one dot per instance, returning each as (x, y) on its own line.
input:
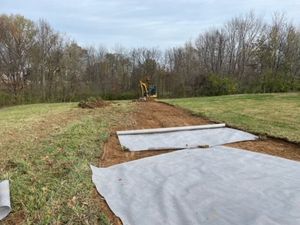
(16, 43)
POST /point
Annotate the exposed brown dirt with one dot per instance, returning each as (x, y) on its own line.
(271, 146)
(146, 115)
(95, 103)
(155, 115)
(15, 218)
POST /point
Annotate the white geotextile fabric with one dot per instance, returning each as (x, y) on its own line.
(216, 186)
(4, 199)
(183, 139)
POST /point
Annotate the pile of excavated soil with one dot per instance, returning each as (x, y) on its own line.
(97, 103)
(156, 115)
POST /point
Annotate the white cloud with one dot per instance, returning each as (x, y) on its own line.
(135, 22)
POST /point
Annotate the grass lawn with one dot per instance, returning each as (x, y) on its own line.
(276, 115)
(46, 150)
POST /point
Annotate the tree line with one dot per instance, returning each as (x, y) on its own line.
(245, 55)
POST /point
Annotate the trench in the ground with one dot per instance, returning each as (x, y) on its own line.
(156, 115)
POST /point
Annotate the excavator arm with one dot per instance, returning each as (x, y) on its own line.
(144, 89)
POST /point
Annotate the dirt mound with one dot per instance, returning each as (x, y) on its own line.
(92, 103)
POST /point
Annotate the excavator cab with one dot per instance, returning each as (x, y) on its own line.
(152, 91)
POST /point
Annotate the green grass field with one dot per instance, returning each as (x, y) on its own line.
(276, 115)
(46, 150)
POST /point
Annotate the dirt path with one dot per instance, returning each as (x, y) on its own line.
(154, 115)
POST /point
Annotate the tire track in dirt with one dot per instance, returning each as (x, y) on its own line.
(155, 115)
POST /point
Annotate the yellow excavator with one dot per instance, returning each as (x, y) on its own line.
(148, 90)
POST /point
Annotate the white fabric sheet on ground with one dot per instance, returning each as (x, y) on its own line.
(217, 186)
(182, 139)
(4, 199)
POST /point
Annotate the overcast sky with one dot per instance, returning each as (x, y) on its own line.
(136, 23)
